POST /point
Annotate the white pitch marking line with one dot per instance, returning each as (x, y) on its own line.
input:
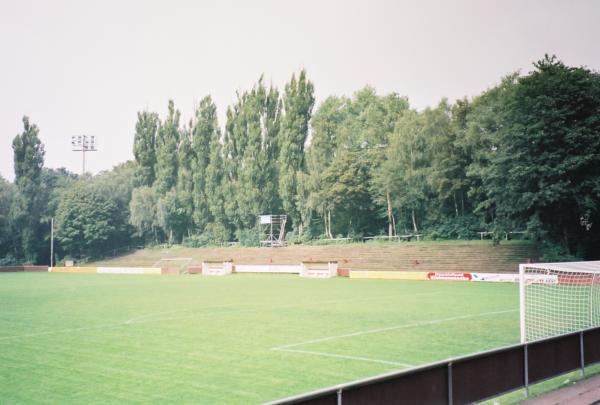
(54, 332)
(409, 325)
(137, 320)
(341, 356)
(148, 318)
(260, 307)
(142, 318)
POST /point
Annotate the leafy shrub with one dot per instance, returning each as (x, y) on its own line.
(552, 252)
(462, 227)
(214, 235)
(196, 241)
(9, 260)
(248, 237)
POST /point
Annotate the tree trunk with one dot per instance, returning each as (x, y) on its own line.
(329, 224)
(390, 214)
(455, 204)
(414, 221)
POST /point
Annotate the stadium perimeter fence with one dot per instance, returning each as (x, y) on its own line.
(467, 379)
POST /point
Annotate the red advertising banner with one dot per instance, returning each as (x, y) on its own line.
(450, 276)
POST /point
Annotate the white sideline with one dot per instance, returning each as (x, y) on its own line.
(408, 325)
(341, 356)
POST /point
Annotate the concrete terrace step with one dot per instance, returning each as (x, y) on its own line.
(459, 257)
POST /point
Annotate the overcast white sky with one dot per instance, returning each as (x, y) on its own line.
(87, 67)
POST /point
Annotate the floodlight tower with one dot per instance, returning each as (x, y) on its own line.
(83, 143)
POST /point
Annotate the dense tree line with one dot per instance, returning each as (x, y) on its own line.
(522, 156)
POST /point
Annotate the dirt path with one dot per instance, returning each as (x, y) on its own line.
(586, 392)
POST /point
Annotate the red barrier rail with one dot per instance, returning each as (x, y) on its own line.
(13, 269)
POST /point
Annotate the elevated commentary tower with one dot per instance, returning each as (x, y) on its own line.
(271, 230)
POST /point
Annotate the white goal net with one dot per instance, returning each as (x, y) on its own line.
(558, 298)
(180, 263)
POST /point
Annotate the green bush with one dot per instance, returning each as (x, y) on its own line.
(552, 252)
(9, 260)
(248, 237)
(214, 235)
(195, 241)
(462, 227)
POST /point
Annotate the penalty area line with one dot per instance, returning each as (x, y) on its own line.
(288, 348)
(341, 356)
(396, 327)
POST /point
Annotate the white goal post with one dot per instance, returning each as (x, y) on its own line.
(558, 298)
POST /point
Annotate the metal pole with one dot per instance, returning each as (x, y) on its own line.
(450, 393)
(591, 300)
(51, 242)
(582, 354)
(526, 371)
(83, 153)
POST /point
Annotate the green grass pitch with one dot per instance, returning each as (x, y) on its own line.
(87, 338)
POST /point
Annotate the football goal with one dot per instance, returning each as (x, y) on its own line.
(178, 264)
(558, 298)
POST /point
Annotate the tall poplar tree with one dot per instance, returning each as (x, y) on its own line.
(205, 130)
(251, 148)
(28, 162)
(144, 148)
(167, 141)
(185, 176)
(215, 182)
(298, 102)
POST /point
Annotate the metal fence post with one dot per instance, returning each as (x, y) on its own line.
(526, 369)
(582, 354)
(339, 397)
(450, 383)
